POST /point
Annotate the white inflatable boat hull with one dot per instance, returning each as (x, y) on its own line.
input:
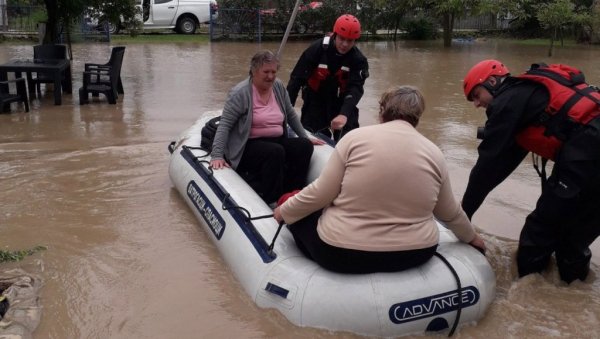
(379, 304)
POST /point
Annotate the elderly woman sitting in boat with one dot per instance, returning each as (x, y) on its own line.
(252, 136)
(372, 209)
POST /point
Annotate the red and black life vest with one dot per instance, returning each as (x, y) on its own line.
(572, 102)
(321, 73)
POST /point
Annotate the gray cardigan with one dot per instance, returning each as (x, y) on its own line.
(236, 121)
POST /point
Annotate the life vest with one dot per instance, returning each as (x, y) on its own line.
(321, 73)
(572, 103)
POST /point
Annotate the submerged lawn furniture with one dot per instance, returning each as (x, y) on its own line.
(103, 78)
(43, 53)
(6, 97)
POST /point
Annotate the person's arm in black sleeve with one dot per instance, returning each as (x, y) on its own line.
(487, 174)
(307, 62)
(499, 154)
(356, 82)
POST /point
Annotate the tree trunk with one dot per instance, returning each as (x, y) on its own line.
(595, 34)
(552, 43)
(447, 23)
(51, 35)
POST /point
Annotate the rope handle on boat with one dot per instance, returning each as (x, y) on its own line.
(459, 308)
(199, 148)
(249, 216)
(270, 249)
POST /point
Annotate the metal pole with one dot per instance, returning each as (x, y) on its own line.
(288, 29)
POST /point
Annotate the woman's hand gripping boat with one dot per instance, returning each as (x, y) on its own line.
(455, 287)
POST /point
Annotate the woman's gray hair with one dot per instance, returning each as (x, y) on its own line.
(402, 103)
(261, 58)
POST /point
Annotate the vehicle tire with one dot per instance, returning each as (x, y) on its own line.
(186, 25)
(301, 28)
(114, 28)
(110, 27)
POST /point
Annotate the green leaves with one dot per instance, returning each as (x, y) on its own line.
(18, 255)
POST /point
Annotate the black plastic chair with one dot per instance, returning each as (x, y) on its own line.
(6, 97)
(103, 79)
(92, 67)
(41, 53)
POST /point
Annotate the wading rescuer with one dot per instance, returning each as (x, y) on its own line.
(331, 73)
(551, 112)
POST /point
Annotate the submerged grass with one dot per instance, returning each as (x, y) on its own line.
(18, 255)
(159, 38)
(545, 42)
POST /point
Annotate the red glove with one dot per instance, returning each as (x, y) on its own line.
(286, 196)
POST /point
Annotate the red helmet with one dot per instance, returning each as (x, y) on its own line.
(480, 73)
(347, 26)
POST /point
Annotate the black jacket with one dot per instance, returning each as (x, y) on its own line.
(516, 105)
(345, 103)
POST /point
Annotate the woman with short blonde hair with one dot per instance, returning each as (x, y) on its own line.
(402, 102)
(374, 206)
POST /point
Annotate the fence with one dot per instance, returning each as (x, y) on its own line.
(481, 23)
(21, 18)
(251, 24)
(258, 24)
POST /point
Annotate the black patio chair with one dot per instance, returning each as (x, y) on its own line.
(6, 97)
(40, 54)
(103, 80)
(92, 67)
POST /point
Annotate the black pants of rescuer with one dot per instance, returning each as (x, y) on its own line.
(566, 219)
(345, 260)
(273, 166)
(317, 114)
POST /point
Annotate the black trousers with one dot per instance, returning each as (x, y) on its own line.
(345, 260)
(319, 109)
(566, 219)
(273, 166)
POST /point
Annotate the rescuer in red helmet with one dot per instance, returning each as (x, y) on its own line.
(331, 73)
(551, 112)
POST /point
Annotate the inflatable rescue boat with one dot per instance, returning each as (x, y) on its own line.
(455, 287)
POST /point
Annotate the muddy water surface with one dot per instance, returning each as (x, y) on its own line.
(127, 259)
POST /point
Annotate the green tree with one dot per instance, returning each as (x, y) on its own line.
(595, 23)
(63, 14)
(520, 11)
(558, 15)
(446, 11)
(384, 14)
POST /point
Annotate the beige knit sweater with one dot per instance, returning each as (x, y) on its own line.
(380, 191)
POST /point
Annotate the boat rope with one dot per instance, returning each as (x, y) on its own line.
(330, 140)
(200, 160)
(171, 147)
(232, 205)
(459, 290)
(249, 216)
(270, 249)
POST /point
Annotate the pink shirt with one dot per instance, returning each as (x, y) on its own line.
(267, 118)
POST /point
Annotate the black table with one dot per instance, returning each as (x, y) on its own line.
(59, 69)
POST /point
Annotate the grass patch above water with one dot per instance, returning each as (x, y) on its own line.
(18, 255)
(159, 38)
(544, 42)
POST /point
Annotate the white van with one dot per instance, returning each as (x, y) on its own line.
(184, 16)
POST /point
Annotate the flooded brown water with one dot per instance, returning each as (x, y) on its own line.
(127, 259)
